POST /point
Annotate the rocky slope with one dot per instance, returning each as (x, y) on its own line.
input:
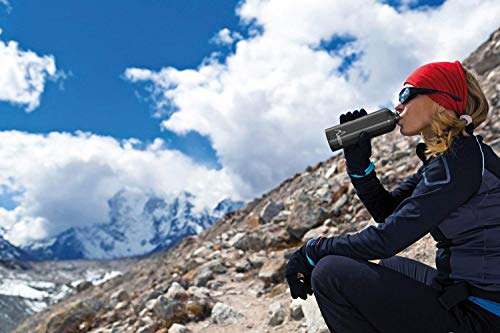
(28, 287)
(230, 277)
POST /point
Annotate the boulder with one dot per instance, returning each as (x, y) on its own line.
(177, 292)
(272, 270)
(276, 314)
(223, 314)
(270, 210)
(305, 214)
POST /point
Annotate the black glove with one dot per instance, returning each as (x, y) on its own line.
(358, 155)
(298, 265)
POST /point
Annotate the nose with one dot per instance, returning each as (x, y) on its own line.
(400, 107)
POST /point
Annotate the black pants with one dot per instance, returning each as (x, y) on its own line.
(393, 296)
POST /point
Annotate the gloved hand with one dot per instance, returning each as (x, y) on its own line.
(358, 155)
(298, 273)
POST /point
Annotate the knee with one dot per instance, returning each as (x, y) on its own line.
(330, 268)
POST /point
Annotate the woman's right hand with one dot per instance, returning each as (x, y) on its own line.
(358, 155)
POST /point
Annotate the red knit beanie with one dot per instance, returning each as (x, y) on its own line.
(443, 76)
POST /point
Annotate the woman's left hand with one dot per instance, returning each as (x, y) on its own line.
(300, 286)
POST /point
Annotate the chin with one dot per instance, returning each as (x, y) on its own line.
(405, 133)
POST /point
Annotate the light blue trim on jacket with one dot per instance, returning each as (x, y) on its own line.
(367, 171)
(310, 260)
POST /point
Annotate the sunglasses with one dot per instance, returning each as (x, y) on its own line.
(407, 93)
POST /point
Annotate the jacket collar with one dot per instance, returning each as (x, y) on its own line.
(421, 146)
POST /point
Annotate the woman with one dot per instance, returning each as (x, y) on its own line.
(454, 195)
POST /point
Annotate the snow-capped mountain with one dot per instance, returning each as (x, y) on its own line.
(11, 252)
(139, 223)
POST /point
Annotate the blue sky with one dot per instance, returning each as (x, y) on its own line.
(242, 122)
(95, 41)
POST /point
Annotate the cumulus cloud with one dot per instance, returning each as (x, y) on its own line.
(265, 106)
(226, 37)
(65, 180)
(23, 75)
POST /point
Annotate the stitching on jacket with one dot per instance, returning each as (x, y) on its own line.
(446, 181)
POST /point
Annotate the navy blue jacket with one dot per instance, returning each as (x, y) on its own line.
(454, 196)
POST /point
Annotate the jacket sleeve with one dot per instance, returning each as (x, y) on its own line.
(379, 202)
(444, 186)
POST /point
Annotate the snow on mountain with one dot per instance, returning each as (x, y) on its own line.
(11, 252)
(139, 223)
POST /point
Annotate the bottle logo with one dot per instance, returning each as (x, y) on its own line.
(339, 134)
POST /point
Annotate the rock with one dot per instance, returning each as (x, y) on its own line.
(194, 263)
(214, 255)
(257, 260)
(305, 215)
(277, 314)
(120, 296)
(242, 265)
(201, 252)
(76, 314)
(121, 305)
(339, 204)
(215, 284)
(83, 286)
(324, 193)
(238, 277)
(223, 314)
(251, 242)
(272, 271)
(281, 217)
(177, 292)
(216, 266)
(329, 223)
(270, 210)
(203, 277)
(199, 292)
(178, 328)
(167, 309)
(139, 306)
(296, 310)
(146, 329)
(253, 220)
(199, 308)
(279, 289)
(314, 319)
(236, 238)
(316, 232)
(330, 171)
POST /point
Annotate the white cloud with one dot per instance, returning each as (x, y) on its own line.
(23, 75)
(265, 106)
(66, 179)
(226, 37)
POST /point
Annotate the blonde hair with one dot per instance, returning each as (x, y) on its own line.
(446, 125)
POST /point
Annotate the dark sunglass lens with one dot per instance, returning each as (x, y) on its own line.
(403, 95)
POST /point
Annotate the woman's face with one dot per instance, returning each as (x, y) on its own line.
(416, 115)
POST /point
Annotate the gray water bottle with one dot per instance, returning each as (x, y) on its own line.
(376, 123)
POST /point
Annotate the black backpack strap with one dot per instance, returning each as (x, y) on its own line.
(455, 293)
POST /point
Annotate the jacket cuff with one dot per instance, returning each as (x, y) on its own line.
(366, 172)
